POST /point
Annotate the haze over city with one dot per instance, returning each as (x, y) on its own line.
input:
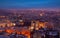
(29, 18)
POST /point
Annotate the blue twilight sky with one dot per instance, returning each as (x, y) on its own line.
(29, 3)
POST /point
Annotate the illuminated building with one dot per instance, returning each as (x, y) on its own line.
(38, 24)
(6, 24)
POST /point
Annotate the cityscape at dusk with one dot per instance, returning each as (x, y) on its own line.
(29, 18)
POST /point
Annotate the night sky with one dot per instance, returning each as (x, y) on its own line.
(29, 3)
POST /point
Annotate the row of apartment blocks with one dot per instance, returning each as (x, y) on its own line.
(34, 26)
(21, 21)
